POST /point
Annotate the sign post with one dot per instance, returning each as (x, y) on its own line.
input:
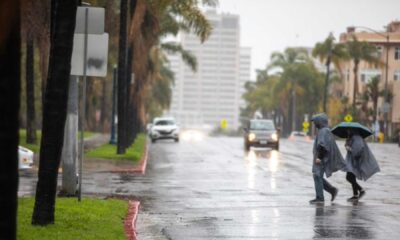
(89, 58)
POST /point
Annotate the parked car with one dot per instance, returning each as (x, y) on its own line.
(261, 133)
(25, 158)
(164, 128)
(299, 136)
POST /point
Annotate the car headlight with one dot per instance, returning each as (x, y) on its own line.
(252, 136)
(274, 137)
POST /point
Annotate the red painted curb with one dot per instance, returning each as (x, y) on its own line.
(140, 168)
(130, 220)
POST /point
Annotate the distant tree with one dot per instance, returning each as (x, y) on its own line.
(10, 46)
(55, 109)
(372, 93)
(286, 63)
(360, 51)
(329, 52)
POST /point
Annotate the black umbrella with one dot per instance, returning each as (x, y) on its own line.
(340, 130)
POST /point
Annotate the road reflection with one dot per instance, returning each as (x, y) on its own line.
(264, 159)
(258, 157)
(342, 223)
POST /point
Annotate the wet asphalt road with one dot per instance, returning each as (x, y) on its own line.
(212, 189)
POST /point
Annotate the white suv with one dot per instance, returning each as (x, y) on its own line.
(164, 128)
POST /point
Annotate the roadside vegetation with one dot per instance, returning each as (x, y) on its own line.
(35, 147)
(133, 153)
(89, 219)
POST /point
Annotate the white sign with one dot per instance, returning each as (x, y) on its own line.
(95, 20)
(97, 55)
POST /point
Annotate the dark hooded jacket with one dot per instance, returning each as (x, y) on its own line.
(325, 148)
(360, 159)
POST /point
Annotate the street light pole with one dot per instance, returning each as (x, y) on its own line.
(386, 105)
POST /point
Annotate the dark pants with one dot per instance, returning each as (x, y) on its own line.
(351, 178)
(320, 185)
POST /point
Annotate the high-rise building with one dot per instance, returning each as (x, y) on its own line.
(214, 92)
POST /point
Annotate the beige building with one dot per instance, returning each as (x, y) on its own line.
(386, 42)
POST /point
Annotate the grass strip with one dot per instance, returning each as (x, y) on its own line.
(36, 147)
(109, 151)
(89, 219)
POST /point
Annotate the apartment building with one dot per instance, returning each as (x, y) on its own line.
(388, 44)
(214, 92)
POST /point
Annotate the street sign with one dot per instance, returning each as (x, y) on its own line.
(97, 55)
(224, 124)
(95, 20)
(306, 125)
(348, 118)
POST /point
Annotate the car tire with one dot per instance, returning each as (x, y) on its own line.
(276, 147)
(247, 147)
(176, 139)
(153, 140)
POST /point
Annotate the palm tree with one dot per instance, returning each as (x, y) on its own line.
(360, 51)
(55, 109)
(10, 45)
(373, 93)
(287, 63)
(329, 52)
(150, 22)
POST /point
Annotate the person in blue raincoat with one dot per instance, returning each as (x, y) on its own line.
(360, 162)
(327, 158)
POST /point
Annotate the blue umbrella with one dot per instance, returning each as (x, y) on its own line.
(340, 130)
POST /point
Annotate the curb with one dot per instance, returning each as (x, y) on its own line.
(141, 168)
(130, 220)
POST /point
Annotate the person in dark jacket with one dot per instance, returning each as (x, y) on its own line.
(360, 162)
(327, 158)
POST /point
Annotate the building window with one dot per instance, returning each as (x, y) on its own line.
(379, 51)
(396, 75)
(367, 74)
(397, 53)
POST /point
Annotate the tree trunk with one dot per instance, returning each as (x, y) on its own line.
(9, 108)
(30, 93)
(103, 107)
(122, 70)
(326, 86)
(355, 87)
(55, 109)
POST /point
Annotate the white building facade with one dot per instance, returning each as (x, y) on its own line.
(213, 93)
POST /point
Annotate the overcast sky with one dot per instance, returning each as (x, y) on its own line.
(273, 25)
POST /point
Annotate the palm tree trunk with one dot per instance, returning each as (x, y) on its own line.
(30, 94)
(355, 88)
(9, 108)
(55, 109)
(103, 110)
(328, 63)
(122, 69)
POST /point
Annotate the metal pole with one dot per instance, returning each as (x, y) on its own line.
(386, 111)
(82, 117)
(113, 139)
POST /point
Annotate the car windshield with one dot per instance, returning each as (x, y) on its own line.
(262, 125)
(165, 123)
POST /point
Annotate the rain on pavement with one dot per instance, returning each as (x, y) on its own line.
(212, 189)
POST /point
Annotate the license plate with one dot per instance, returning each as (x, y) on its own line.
(263, 142)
